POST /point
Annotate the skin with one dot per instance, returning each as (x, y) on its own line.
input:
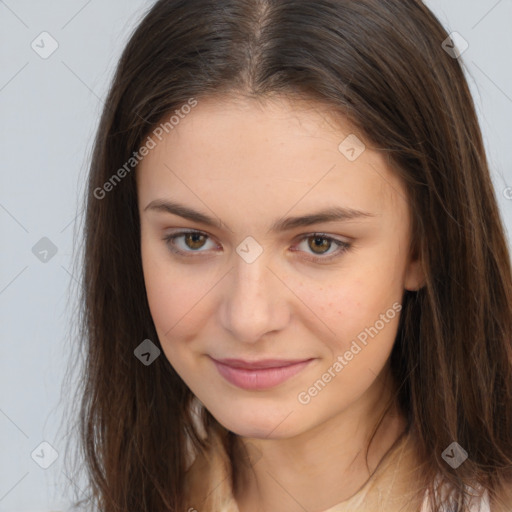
(249, 164)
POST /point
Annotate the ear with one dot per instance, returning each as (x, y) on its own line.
(414, 277)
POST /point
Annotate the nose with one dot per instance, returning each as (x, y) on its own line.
(254, 300)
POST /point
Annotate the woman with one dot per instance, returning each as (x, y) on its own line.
(295, 273)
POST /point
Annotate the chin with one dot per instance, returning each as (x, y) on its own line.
(263, 430)
(265, 423)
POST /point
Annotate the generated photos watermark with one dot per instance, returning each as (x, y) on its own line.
(304, 397)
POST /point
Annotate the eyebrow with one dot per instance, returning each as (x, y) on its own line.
(330, 214)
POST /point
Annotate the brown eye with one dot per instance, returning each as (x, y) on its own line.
(319, 244)
(187, 243)
(194, 240)
(318, 247)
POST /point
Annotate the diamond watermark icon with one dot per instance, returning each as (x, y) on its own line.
(44, 250)
(249, 250)
(455, 45)
(352, 147)
(455, 455)
(147, 352)
(44, 45)
(44, 455)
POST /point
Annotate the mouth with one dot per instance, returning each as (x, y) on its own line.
(258, 375)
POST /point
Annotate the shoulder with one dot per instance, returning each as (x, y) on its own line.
(478, 502)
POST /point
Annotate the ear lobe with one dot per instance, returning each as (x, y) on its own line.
(414, 276)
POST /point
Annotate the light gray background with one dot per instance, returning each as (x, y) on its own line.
(49, 113)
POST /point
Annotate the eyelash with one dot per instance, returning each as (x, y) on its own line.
(342, 246)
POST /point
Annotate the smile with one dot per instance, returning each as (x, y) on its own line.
(259, 375)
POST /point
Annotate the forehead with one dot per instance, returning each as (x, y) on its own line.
(281, 152)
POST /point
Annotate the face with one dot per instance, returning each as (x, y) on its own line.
(260, 274)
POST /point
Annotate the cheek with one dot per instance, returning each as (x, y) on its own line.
(364, 317)
(362, 309)
(176, 310)
(173, 292)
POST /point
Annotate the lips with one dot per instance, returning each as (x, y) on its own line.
(259, 375)
(264, 363)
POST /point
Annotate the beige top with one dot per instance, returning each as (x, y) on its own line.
(208, 484)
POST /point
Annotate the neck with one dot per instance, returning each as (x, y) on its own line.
(323, 466)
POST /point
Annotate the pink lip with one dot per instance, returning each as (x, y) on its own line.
(262, 374)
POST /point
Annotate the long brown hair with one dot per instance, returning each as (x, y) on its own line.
(381, 65)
